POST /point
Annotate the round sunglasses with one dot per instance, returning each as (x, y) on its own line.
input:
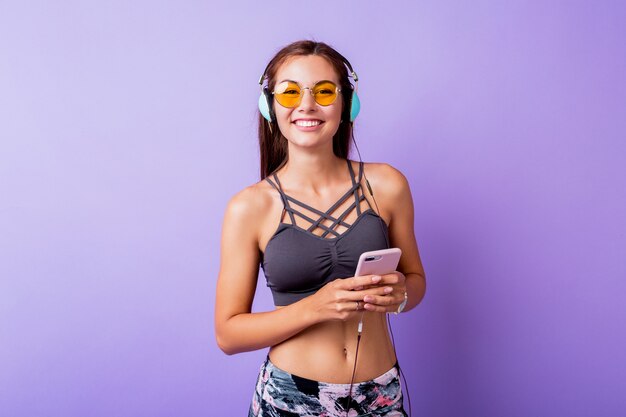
(289, 93)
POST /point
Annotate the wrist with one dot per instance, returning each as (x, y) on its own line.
(403, 304)
(308, 311)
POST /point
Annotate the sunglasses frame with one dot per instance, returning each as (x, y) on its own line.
(337, 92)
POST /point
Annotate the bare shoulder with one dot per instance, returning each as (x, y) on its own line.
(385, 179)
(251, 205)
(251, 200)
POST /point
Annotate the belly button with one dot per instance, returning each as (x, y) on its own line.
(345, 352)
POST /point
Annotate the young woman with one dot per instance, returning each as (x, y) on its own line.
(306, 223)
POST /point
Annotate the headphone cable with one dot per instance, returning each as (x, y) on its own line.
(360, 328)
(356, 356)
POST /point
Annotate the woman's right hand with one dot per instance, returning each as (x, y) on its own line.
(342, 299)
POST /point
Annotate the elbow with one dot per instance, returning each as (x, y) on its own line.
(223, 344)
(226, 343)
(226, 349)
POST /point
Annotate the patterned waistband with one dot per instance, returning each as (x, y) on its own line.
(279, 392)
(275, 372)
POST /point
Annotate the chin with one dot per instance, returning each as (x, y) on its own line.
(308, 142)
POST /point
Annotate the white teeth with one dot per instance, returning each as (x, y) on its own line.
(307, 123)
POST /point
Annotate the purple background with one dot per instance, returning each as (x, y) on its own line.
(127, 126)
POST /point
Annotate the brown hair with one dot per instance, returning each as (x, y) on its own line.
(272, 144)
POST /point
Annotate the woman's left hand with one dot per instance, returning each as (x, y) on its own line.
(387, 303)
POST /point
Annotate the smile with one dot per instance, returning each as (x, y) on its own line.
(308, 123)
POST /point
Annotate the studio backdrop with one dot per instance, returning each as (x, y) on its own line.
(126, 127)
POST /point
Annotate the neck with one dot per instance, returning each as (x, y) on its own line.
(314, 170)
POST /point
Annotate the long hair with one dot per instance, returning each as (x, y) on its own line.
(272, 144)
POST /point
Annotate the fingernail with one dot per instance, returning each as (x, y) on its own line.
(388, 289)
(375, 278)
(368, 298)
(358, 288)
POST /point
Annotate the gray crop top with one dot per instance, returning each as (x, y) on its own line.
(298, 262)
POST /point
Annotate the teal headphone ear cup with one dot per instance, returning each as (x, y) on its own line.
(355, 106)
(265, 107)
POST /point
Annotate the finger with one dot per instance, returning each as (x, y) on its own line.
(346, 309)
(392, 278)
(356, 282)
(377, 308)
(379, 300)
(365, 287)
(361, 294)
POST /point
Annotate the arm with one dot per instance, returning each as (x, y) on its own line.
(394, 196)
(236, 329)
(239, 330)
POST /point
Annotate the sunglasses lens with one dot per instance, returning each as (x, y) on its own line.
(287, 94)
(325, 93)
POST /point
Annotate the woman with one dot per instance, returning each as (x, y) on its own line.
(309, 254)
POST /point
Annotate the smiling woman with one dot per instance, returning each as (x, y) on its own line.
(306, 223)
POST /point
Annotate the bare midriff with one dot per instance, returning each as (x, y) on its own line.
(325, 352)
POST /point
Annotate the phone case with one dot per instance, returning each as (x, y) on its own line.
(378, 262)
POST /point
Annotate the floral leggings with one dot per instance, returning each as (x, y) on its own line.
(281, 394)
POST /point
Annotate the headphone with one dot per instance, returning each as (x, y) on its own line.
(266, 101)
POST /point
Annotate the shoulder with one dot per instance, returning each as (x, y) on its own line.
(251, 203)
(391, 189)
(385, 179)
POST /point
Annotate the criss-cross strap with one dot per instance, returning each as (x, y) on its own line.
(283, 197)
(356, 191)
(357, 188)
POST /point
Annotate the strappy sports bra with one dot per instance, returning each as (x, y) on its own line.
(298, 262)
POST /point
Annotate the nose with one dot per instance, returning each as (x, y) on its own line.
(308, 101)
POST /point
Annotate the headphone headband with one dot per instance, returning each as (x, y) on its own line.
(351, 73)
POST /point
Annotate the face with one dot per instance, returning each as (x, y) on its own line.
(309, 124)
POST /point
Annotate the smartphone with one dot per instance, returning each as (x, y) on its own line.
(378, 262)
